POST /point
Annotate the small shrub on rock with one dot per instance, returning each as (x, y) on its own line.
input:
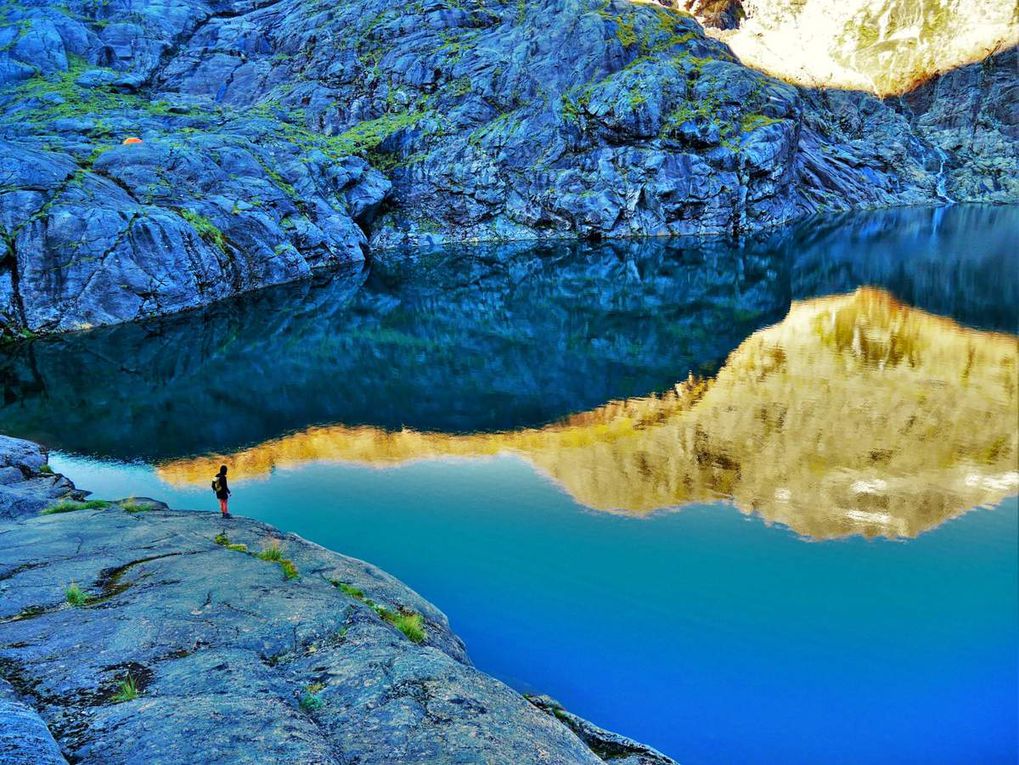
(311, 701)
(70, 505)
(271, 552)
(128, 691)
(75, 595)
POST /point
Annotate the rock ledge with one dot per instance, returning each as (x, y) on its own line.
(182, 644)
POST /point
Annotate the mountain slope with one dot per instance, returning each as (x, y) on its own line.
(285, 135)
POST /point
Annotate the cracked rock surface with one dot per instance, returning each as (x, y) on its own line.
(280, 136)
(229, 660)
(24, 737)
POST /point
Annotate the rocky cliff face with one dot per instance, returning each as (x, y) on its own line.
(182, 645)
(282, 136)
(972, 116)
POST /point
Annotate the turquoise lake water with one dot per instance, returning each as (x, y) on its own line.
(413, 415)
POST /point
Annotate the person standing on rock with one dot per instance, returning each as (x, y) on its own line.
(219, 485)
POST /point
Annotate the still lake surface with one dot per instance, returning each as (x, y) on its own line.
(747, 504)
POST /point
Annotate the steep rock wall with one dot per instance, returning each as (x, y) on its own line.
(282, 136)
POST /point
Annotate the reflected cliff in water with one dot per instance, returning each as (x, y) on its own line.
(952, 261)
(483, 339)
(881, 412)
(855, 414)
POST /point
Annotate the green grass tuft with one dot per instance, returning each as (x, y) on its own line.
(350, 589)
(132, 505)
(410, 624)
(271, 552)
(626, 33)
(64, 506)
(128, 691)
(75, 595)
(224, 541)
(70, 505)
(751, 122)
(204, 227)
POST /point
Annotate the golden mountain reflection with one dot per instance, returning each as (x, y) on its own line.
(856, 414)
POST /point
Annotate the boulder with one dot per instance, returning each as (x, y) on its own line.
(27, 485)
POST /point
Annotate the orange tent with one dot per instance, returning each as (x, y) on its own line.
(132, 139)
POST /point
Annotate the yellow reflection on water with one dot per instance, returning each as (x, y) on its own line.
(857, 414)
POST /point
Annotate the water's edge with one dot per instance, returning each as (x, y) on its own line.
(129, 530)
(329, 270)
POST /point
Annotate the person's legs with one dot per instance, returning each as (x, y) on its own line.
(222, 506)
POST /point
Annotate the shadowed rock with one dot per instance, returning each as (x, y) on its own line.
(610, 746)
(24, 737)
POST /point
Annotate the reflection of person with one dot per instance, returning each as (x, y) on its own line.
(222, 490)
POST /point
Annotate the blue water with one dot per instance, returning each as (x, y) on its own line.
(710, 634)
(706, 633)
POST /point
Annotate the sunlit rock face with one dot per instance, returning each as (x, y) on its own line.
(720, 14)
(884, 46)
(856, 414)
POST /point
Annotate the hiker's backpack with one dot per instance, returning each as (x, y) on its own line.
(216, 484)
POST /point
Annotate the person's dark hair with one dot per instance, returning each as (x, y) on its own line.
(222, 469)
